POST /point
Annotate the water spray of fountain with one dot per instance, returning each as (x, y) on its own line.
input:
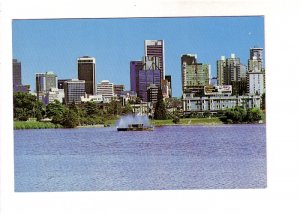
(133, 119)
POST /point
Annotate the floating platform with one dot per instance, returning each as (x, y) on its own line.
(136, 127)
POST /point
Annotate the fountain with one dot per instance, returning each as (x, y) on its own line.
(134, 123)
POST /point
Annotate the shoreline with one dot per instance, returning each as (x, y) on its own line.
(41, 125)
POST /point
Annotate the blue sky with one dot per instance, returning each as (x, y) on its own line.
(55, 45)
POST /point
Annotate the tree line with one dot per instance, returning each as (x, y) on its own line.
(90, 113)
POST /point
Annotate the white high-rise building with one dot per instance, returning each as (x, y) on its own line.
(255, 83)
(255, 76)
(106, 89)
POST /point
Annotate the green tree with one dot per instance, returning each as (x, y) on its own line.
(240, 115)
(160, 112)
(55, 111)
(236, 115)
(91, 109)
(206, 113)
(127, 109)
(176, 120)
(70, 119)
(114, 108)
(73, 107)
(257, 114)
(26, 106)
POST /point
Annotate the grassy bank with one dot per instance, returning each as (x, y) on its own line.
(34, 125)
(188, 121)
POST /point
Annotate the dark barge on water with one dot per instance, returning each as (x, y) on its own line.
(136, 127)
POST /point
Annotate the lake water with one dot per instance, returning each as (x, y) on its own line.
(168, 158)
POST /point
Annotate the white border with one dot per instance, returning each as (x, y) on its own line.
(282, 53)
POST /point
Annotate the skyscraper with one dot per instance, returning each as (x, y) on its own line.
(146, 78)
(156, 48)
(232, 70)
(221, 65)
(87, 72)
(17, 75)
(17, 78)
(255, 61)
(143, 73)
(44, 82)
(194, 75)
(135, 67)
(256, 74)
(149, 74)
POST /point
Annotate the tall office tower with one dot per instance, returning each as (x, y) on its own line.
(149, 74)
(40, 83)
(243, 72)
(156, 48)
(44, 82)
(51, 80)
(221, 66)
(146, 78)
(87, 72)
(135, 67)
(17, 78)
(74, 90)
(256, 74)
(169, 79)
(17, 75)
(232, 70)
(256, 59)
(194, 75)
(106, 89)
(143, 73)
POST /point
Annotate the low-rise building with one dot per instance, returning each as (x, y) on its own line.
(213, 104)
(55, 94)
(142, 108)
(128, 96)
(94, 98)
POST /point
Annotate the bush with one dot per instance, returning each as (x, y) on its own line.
(176, 120)
(240, 115)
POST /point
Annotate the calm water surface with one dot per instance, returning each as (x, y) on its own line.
(170, 157)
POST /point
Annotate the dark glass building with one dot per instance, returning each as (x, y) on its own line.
(87, 72)
(17, 75)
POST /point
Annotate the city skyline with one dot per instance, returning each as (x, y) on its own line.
(55, 45)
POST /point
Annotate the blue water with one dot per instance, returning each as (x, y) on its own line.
(170, 157)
